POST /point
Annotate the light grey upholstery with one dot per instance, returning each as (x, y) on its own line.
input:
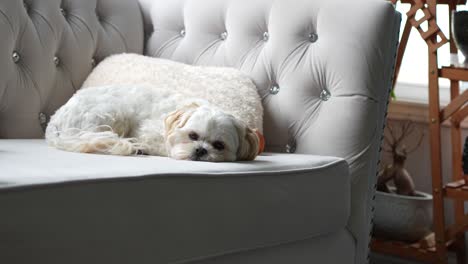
(323, 69)
(48, 48)
(338, 247)
(188, 210)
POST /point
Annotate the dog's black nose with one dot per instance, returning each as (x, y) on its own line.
(200, 152)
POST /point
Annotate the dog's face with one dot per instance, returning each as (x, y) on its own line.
(205, 134)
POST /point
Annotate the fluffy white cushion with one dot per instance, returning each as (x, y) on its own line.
(227, 88)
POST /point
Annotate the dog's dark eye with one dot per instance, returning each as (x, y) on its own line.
(218, 145)
(193, 136)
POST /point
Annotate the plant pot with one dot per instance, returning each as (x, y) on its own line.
(401, 217)
(460, 31)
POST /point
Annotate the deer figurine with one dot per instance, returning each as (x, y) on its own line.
(396, 171)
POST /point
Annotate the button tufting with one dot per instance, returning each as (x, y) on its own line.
(224, 35)
(325, 95)
(93, 62)
(182, 33)
(274, 89)
(266, 36)
(26, 7)
(291, 147)
(313, 37)
(64, 13)
(16, 57)
(43, 120)
(56, 61)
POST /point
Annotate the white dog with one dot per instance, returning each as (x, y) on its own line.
(142, 119)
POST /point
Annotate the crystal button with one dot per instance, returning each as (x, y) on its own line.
(42, 119)
(182, 33)
(325, 95)
(313, 37)
(291, 147)
(16, 57)
(274, 89)
(224, 35)
(266, 36)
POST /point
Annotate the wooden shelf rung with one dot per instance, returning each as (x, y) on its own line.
(454, 105)
(456, 228)
(428, 33)
(459, 193)
(455, 184)
(454, 73)
(403, 250)
(458, 116)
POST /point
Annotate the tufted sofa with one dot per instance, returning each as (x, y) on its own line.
(323, 69)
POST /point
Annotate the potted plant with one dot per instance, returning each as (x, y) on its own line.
(402, 213)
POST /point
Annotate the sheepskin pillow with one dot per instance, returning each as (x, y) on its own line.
(227, 88)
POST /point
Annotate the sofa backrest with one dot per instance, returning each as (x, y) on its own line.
(48, 48)
(322, 67)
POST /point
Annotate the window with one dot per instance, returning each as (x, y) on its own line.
(412, 82)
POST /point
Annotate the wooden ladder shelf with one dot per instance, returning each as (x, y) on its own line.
(445, 237)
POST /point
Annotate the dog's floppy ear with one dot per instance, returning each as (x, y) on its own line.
(178, 118)
(248, 143)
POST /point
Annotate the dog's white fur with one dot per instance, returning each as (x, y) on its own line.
(227, 88)
(131, 119)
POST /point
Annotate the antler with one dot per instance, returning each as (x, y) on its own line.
(390, 141)
(406, 129)
(394, 140)
(413, 149)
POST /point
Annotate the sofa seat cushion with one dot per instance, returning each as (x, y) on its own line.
(195, 209)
